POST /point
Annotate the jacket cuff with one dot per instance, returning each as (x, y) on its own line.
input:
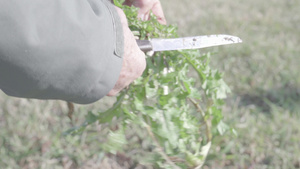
(114, 63)
(119, 48)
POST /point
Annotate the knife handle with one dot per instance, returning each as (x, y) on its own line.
(144, 45)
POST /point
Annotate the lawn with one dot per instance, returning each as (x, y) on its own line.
(264, 106)
(263, 73)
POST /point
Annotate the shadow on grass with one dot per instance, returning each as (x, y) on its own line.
(287, 97)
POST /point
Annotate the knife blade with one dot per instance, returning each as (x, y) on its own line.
(196, 42)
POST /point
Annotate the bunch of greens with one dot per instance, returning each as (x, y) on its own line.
(180, 113)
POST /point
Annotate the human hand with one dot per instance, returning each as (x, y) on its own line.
(145, 7)
(134, 62)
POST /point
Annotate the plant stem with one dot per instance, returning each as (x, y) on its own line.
(207, 121)
(70, 112)
(200, 74)
(159, 148)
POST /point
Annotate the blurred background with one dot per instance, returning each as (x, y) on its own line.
(264, 106)
(263, 73)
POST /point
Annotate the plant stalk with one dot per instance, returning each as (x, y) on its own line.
(159, 148)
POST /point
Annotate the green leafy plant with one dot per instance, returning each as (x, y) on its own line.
(180, 113)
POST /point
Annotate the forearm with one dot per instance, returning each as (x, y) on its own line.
(59, 49)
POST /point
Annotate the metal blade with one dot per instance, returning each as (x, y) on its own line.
(196, 42)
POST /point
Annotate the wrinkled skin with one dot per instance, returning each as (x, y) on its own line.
(146, 6)
(134, 62)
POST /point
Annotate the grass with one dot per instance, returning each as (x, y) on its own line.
(264, 106)
(263, 73)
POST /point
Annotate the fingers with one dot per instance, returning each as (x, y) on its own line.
(134, 62)
(158, 12)
(146, 6)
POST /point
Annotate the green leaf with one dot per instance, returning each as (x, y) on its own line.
(205, 149)
(223, 89)
(115, 141)
(119, 3)
(193, 160)
(222, 127)
(164, 100)
(75, 130)
(234, 132)
(90, 118)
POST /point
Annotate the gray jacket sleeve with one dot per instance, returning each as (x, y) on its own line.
(59, 49)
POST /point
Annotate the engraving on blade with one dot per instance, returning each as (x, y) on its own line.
(193, 42)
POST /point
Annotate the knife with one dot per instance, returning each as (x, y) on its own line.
(196, 42)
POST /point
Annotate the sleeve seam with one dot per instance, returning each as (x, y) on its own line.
(118, 31)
